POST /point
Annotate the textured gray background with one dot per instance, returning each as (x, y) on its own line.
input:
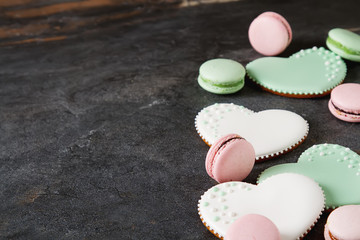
(97, 136)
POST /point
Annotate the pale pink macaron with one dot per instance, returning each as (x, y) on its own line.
(343, 223)
(270, 34)
(252, 227)
(230, 158)
(345, 102)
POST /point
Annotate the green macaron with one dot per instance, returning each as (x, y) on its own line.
(344, 43)
(221, 76)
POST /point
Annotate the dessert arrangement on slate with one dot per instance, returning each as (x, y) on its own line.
(289, 198)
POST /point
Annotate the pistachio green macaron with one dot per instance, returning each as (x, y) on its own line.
(344, 43)
(221, 76)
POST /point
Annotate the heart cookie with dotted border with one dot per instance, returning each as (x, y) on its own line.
(293, 202)
(308, 73)
(271, 132)
(334, 167)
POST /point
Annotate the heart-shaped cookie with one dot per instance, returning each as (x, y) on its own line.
(334, 167)
(271, 132)
(293, 202)
(308, 73)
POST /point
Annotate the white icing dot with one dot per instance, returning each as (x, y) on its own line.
(337, 57)
(347, 149)
(314, 48)
(338, 62)
(232, 214)
(327, 63)
(323, 147)
(350, 166)
(322, 154)
(346, 158)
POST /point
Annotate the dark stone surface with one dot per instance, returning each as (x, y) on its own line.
(97, 131)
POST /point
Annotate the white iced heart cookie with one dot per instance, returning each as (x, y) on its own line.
(293, 202)
(271, 132)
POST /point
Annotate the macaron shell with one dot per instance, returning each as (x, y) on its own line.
(347, 97)
(269, 34)
(222, 71)
(255, 225)
(344, 222)
(243, 237)
(234, 161)
(209, 162)
(347, 38)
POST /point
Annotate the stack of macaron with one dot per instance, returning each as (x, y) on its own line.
(234, 210)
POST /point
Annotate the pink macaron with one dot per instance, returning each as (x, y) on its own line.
(270, 34)
(345, 102)
(230, 158)
(343, 223)
(252, 227)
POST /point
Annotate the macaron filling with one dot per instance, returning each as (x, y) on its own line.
(227, 84)
(345, 112)
(218, 152)
(332, 236)
(342, 47)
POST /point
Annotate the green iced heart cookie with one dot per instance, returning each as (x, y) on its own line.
(334, 167)
(308, 73)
